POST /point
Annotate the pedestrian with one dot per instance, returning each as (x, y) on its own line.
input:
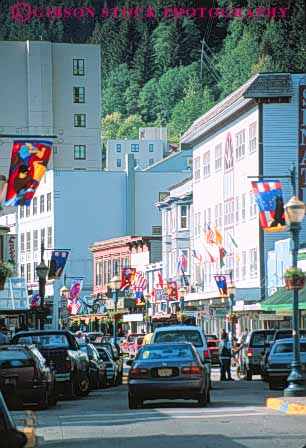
(223, 334)
(80, 337)
(243, 336)
(3, 336)
(225, 354)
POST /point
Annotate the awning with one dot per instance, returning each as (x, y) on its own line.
(282, 300)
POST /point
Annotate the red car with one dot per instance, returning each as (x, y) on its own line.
(213, 348)
(133, 348)
(130, 340)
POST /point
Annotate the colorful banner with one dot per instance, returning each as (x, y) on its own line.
(127, 278)
(29, 162)
(57, 264)
(221, 284)
(74, 303)
(35, 301)
(172, 291)
(269, 198)
(222, 253)
(140, 300)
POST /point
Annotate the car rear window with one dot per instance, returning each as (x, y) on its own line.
(260, 339)
(284, 334)
(44, 341)
(212, 343)
(179, 336)
(14, 358)
(155, 353)
(287, 347)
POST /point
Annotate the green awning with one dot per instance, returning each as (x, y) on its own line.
(281, 300)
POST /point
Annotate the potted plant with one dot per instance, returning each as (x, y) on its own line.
(294, 278)
(181, 316)
(6, 270)
(232, 317)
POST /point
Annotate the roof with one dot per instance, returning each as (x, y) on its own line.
(282, 300)
(182, 182)
(261, 85)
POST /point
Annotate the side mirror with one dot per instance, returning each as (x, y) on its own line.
(13, 438)
(129, 362)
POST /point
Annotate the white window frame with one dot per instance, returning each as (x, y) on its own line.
(253, 261)
(183, 217)
(218, 157)
(151, 147)
(237, 267)
(118, 147)
(244, 265)
(34, 211)
(243, 207)
(35, 240)
(240, 144)
(134, 147)
(206, 164)
(197, 169)
(22, 243)
(49, 237)
(252, 137)
(237, 210)
(28, 242)
(252, 205)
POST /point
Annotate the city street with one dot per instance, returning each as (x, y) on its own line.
(235, 418)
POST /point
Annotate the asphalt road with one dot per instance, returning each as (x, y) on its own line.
(236, 418)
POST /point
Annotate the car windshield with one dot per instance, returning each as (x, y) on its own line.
(44, 341)
(151, 353)
(103, 354)
(287, 347)
(261, 338)
(179, 336)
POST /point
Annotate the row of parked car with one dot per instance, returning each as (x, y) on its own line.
(39, 367)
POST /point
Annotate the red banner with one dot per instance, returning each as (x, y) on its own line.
(29, 162)
(172, 291)
(127, 278)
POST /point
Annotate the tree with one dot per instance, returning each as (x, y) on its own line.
(149, 101)
(129, 128)
(110, 126)
(113, 89)
(164, 45)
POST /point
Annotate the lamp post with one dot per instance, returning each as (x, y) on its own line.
(42, 273)
(64, 314)
(115, 286)
(148, 321)
(231, 290)
(182, 293)
(294, 215)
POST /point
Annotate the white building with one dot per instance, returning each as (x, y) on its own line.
(151, 147)
(52, 89)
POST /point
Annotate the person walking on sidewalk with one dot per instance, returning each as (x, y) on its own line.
(225, 354)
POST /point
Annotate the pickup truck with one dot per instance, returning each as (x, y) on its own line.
(63, 354)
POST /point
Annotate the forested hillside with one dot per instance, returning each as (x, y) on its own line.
(162, 71)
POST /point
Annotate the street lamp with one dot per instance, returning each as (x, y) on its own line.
(294, 215)
(182, 293)
(148, 305)
(42, 273)
(115, 286)
(64, 291)
(231, 290)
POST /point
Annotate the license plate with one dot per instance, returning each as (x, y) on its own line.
(164, 372)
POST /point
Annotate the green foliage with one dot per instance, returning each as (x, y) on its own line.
(129, 128)
(110, 126)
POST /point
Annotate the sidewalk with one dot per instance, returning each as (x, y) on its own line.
(289, 405)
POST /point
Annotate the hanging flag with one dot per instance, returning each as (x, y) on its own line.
(269, 198)
(140, 283)
(211, 258)
(160, 279)
(218, 237)
(140, 300)
(233, 241)
(181, 264)
(74, 302)
(74, 306)
(29, 162)
(222, 253)
(209, 236)
(221, 284)
(127, 278)
(196, 255)
(172, 291)
(35, 300)
(57, 264)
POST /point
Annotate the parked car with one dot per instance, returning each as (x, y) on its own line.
(185, 333)
(25, 378)
(284, 334)
(211, 337)
(250, 355)
(280, 359)
(93, 335)
(129, 341)
(61, 351)
(112, 374)
(97, 368)
(116, 356)
(10, 436)
(213, 347)
(167, 370)
(133, 348)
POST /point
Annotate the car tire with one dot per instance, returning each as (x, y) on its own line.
(203, 398)
(249, 376)
(104, 382)
(83, 387)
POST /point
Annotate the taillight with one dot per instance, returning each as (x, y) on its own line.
(206, 354)
(250, 352)
(138, 372)
(67, 363)
(191, 370)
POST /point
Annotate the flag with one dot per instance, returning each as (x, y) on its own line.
(211, 258)
(74, 306)
(172, 291)
(221, 284)
(127, 278)
(140, 300)
(196, 255)
(181, 264)
(29, 162)
(74, 302)
(57, 264)
(210, 235)
(218, 236)
(160, 279)
(222, 253)
(35, 300)
(140, 283)
(233, 241)
(269, 198)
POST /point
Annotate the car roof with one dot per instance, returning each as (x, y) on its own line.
(14, 347)
(170, 344)
(263, 331)
(178, 327)
(41, 332)
(288, 340)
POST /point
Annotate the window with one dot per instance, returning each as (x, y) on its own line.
(229, 212)
(98, 273)
(137, 162)
(209, 216)
(205, 220)
(42, 204)
(22, 270)
(116, 266)
(252, 137)
(78, 67)
(35, 240)
(49, 237)
(79, 120)
(28, 211)
(173, 219)
(79, 94)
(34, 206)
(151, 147)
(22, 243)
(244, 265)
(197, 170)
(42, 236)
(151, 161)
(118, 163)
(237, 210)
(197, 224)
(28, 246)
(134, 147)
(206, 164)
(220, 215)
(118, 147)
(237, 271)
(48, 202)
(253, 206)
(243, 205)
(35, 264)
(79, 152)
(29, 272)
(183, 217)
(124, 262)
(218, 157)
(106, 272)
(253, 263)
(240, 145)
(22, 211)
